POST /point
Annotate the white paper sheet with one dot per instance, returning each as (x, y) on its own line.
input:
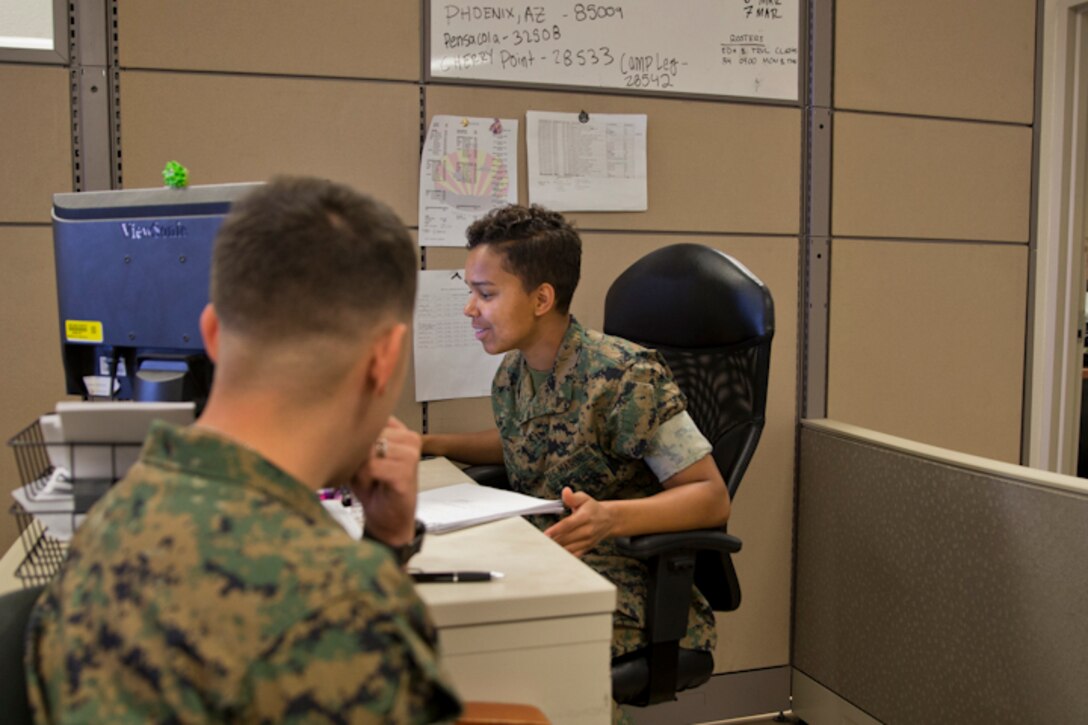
(595, 165)
(449, 361)
(51, 502)
(349, 517)
(469, 166)
(467, 504)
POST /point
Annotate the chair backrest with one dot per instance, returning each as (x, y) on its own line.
(713, 322)
(15, 608)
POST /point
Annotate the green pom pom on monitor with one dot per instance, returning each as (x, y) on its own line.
(175, 175)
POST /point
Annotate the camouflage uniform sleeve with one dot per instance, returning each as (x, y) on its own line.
(646, 397)
(352, 662)
(676, 445)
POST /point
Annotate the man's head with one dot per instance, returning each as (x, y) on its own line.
(301, 256)
(523, 265)
(304, 272)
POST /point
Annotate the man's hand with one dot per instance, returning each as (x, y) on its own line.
(387, 485)
(589, 523)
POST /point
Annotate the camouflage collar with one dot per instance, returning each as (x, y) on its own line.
(206, 454)
(556, 394)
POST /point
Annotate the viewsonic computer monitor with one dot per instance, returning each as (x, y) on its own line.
(132, 279)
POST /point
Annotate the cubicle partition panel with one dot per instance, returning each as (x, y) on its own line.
(929, 271)
(934, 586)
(929, 206)
(936, 58)
(332, 38)
(235, 128)
(35, 162)
(36, 143)
(927, 341)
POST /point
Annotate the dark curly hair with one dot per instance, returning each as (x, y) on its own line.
(537, 246)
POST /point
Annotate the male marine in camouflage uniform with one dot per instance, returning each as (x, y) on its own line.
(585, 417)
(210, 584)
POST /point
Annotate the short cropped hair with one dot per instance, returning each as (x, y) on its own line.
(300, 256)
(537, 246)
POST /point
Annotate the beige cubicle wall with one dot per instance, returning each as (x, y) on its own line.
(930, 208)
(30, 354)
(936, 58)
(247, 128)
(35, 143)
(36, 149)
(254, 88)
(921, 178)
(927, 342)
(711, 166)
(340, 38)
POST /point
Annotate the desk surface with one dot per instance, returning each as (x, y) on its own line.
(540, 578)
(534, 567)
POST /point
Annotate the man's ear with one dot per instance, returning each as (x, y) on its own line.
(543, 299)
(209, 329)
(386, 356)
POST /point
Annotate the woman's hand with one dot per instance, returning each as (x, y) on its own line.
(590, 522)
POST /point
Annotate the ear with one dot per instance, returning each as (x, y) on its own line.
(209, 330)
(543, 299)
(386, 354)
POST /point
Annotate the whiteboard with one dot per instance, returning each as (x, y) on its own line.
(743, 48)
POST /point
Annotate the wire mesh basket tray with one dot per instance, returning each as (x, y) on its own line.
(54, 494)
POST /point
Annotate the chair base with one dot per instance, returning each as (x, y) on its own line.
(631, 675)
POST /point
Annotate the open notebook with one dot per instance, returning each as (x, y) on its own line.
(466, 504)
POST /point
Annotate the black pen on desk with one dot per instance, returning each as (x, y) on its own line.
(454, 577)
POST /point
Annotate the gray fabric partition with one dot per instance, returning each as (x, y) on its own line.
(930, 592)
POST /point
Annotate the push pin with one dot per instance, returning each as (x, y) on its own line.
(175, 175)
(583, 117)
(496, 127)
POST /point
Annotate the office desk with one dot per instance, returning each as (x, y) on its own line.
(540, 635)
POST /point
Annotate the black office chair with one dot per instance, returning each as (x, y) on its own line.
(713, 322)
(15, 610)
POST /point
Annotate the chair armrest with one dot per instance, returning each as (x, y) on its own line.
(493, 475)
(646, 546)
(671, 560)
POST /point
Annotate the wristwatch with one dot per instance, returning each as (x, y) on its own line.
(404, 552)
